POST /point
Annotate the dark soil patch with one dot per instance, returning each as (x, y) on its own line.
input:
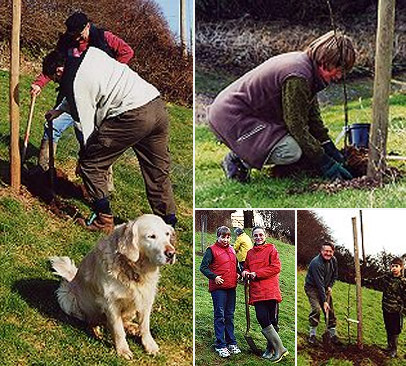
(356, 163)
(364, 182)
(38, 183)
(349, 352)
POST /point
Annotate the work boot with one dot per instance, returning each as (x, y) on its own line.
(269, 351)
(394, 351)
(98, 222)
(235, 168)
(389, 347)
(110, 181)
(273, 337)
(43, 156)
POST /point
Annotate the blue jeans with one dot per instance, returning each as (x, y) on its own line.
(60, 124)
(224, 307)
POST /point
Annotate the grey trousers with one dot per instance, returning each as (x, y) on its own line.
(286, 151)
(146, 131)
(316, 307)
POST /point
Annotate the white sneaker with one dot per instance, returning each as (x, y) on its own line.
(233, 348)
(223, 352)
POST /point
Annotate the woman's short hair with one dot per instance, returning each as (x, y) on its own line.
(256, 228)
(332, 50)
(222, 230)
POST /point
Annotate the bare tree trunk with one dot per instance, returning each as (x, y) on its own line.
(15, 161)
(380, 104)
(357, 284)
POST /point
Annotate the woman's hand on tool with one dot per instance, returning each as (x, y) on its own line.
(326, 306)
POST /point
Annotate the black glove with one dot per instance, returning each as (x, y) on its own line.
(331, 150)
(333, 170)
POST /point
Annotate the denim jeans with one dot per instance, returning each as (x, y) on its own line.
(224, 307)
(60, 124)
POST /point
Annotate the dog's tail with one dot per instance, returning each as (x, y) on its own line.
(64, 267)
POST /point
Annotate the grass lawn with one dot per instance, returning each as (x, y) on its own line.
(205, 354)
(374, 335)
(33, 329)
(214, 190)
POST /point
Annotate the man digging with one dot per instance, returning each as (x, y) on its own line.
(320, 278)
(116, 110)
(79, 36)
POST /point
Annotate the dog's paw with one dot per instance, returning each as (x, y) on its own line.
(125, 352)
(150, 345)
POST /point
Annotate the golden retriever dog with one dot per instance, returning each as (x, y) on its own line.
(117, 281)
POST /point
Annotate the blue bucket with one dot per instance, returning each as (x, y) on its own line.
(358, 134)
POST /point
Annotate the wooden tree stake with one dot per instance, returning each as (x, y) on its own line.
(357, 284)
(15, 161)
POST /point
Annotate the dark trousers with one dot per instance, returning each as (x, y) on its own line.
(144, 129)
(267, 313)
(224, 307)
(393, 323)
(316, 307)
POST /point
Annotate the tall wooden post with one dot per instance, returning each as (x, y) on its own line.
(15, 161)
(380, 104)
(364, 260)
(183, 26)
(357, 284)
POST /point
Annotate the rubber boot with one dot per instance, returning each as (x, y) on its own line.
(394, 351)
(269, 351)
(102, 222)
(43, 156)
(110, 181)
(273, 337)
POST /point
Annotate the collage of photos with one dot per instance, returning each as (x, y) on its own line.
(202, 182)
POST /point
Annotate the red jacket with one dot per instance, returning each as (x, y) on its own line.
(122, 50)
(225, 265)
(264, 261)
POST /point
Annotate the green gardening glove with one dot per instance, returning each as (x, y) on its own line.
(333, 170)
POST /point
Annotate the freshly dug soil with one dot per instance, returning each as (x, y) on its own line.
(320, 356)
(38, 184)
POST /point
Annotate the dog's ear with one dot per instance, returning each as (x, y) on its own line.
(127, 243)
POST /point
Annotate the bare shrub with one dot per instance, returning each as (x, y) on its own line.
(241, 44)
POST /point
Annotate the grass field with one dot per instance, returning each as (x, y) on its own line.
(205, 354)
(33, 329)
(374, 336)
(214, 190)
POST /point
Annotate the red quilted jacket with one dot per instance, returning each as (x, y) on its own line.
(264, 261)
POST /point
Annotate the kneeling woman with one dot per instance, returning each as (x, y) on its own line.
(262, 267)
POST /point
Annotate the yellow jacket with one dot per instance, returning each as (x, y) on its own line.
(242, 245)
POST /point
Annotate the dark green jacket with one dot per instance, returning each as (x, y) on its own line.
(394, 292)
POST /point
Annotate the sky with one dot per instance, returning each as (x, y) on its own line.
(170, 9)
(383, 229)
